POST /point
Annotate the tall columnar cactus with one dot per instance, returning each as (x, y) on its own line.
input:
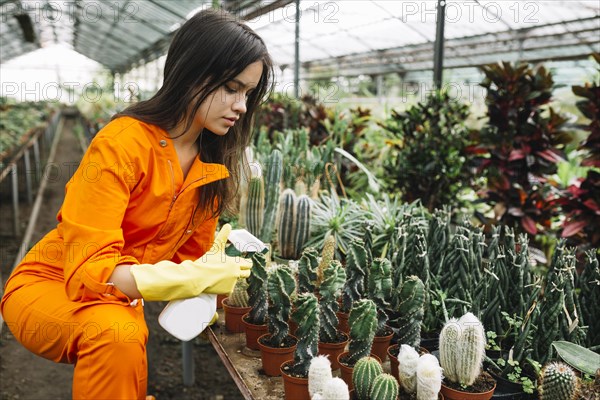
(257, 290)
(307, 270)
(272, 183)
(385, 387)
(280, 286)
(331, 287)
(326, 256)
(408, 360)
(306, 316)
(407, 325)
(356, 273)
(368, 240)
(319, 374)
(364, 373)
(462, 348)
(429, 377)
(558, 382)
(363, 324)
(457, 277)
(255, 207)
(589, 283)
(438, 239)
(239, 295)
(294, 224)
(380, 290)
(302, 224)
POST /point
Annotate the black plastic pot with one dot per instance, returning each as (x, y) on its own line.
(506, 389)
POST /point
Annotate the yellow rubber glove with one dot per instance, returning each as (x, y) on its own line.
(214, 272)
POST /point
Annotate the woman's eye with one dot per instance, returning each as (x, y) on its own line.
(229, 90)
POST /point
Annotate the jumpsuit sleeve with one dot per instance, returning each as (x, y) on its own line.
(90, 221)
(199, 242)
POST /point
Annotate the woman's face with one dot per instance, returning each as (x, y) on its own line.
(224, 107)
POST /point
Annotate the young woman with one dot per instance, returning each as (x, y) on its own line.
(140, 213)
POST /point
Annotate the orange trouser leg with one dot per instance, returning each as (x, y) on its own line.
(106, 342)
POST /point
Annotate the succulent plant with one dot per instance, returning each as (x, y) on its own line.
(327, 255)
(274, 166)
(294, 224)
(380, 290)
(385, 387)
(589, 283)
(307, 317)
(335, 389)
(255, 207)
(363, 324)
(307, 270)
(257, 290)
(364, 373)
(558, 382)
(408, 360)
(409, 313)
(319, 374)
(280, 286)
(334, 278)
(429, 377)
(239, 295)
(356, 273)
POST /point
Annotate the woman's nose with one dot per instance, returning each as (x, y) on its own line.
(239, 105)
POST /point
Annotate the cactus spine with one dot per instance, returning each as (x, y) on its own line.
(331, 287)
(380, 290)
(307, 270)
(280, 287)
(239, 295)
(364, 373)
(307, 318)
(272, 183)
(558, 382)
(257, 290)
(356, 272)
(385, 387)
(429, 377)
(408, 359)
(256, 205)
(462, 348)
(326, 257)
(363, 324)
(319, 375)
(410, 310)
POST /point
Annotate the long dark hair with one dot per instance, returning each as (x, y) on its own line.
(209, 49)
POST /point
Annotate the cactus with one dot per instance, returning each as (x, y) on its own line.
(272, 183)
(256, 205)
(407, 326)
(356, 272)
(307, 270)
(429, 377)
(334, 279)
(326, 257)
(280, 286)
(385, 387)
(363, 324)
(408, 359)
(364, 373)
(302, 224)
(257, 290)
(589, 282)
(558, 381)
(239, 295)
(307, 317)
(462, 348)
(319, 375)
(457, 276)
(294, 224)
(380, 290)
(336, 389)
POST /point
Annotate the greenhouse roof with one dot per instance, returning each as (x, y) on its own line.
(344, 37)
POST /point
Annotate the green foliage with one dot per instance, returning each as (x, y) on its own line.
(334, 278)
(363, 324)
(280, 286)
(306, 315)
(578, 357)
(257, 290)
(363, 376)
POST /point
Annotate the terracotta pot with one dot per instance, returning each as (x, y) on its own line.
(452, 394)
(380, 346)
(333, 350)
(343, 322)
(233, 317)
(295, 388)
(393, 361)
(220, 298)
(346, 371)
(253, 332)
(273, 357)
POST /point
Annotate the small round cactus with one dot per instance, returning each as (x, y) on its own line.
(319, 375)
(558, 381)
(385, 387)
(408, 359)
(364, 373)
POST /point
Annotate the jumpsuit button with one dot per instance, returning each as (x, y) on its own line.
(188, 231)
(163, 143)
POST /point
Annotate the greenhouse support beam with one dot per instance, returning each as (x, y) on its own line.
(297, 52)
(438, 54)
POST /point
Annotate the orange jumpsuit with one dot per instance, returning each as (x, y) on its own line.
(127, 203)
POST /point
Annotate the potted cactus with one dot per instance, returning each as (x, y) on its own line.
(420, 377)
(322, 385)
(255, 321)
(331, 340)
(462, 348)
(293, 228)
(235, 306)
(380, 291)
(363, 322)
(558, 381)
(364, 373)
(278, 345)
(354, 289)
(295, 372)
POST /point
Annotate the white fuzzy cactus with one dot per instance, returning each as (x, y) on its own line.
(335, 389)
(319, 375)
(462, 348)
(407, 368)
(429, 377)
